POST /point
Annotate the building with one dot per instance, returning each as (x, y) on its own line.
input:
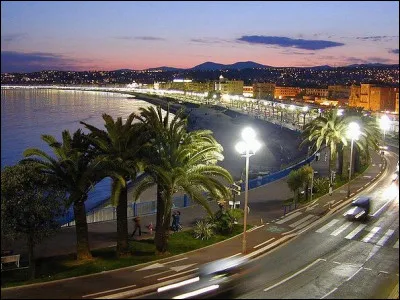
(373, 97)
(248, 91)
(396, 108)
(338, 91)
(317, 92)
(286, 92)
(230, 87)
(263, 90)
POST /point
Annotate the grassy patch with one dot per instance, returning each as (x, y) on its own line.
(60, 267)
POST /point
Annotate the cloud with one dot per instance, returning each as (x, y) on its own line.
(210, 41)
(12, 61)
(377, 38)
(289, 42)
(13, 37)
(394, 51)
(143, 38)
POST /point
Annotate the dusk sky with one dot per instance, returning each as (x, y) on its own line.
(114, 35)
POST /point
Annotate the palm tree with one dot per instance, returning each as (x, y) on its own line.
(370, 136)
(179, 161)
(77, 171)
(329, 128)
(119, 143)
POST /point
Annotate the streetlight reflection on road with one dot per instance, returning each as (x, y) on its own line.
(353, 133)
(247, 147)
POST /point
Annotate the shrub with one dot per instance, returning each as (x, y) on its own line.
(224, 220)
(321, 185)
(203, 230)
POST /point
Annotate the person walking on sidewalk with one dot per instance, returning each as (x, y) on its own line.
(136, 220)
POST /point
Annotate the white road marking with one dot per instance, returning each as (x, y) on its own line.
(289, 218)
(355, 231)
(301, 221)
(162, 278)
(354, 274)
(234, 255)
(153, 266)
(170, 262)
(326, 295)
(157, 274)
(263, 243)
(295, 274)
(371, 234)
(387, 235)
(180, 268)
(381, 208)
(330, 224)
(307, 223)
(107, 291)
(341, 228)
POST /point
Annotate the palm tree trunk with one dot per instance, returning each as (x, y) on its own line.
(163, 222)
(31, 257)
(122, 223)
(82, 236)
(340, 158)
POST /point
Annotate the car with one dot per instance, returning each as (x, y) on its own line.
(359, 210)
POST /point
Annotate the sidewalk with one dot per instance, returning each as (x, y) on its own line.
(266, 213)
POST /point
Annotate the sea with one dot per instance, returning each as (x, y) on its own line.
(26, 114)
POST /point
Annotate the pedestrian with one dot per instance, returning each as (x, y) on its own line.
(330, 189)
(173, 226)
(136, 221)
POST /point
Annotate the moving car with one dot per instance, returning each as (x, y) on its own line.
(360, 208)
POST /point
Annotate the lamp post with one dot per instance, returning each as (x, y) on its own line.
(353, 132)
(247, 147)
(305, 111)
(384, 124)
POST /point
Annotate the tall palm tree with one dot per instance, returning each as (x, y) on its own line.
(121, 144)
(370, 136)
(328, 128)
(179, 161)
(77, 171)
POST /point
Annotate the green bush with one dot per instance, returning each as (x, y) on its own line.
(203, 230)
(321, 185)
(224, 220)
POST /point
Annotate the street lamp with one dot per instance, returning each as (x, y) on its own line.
(247, 147)
(384, 124)
(353, 131)
(305, 111)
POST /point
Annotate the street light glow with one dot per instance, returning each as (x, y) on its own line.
(247, 147)
(353, 131)
(384, 122)
(248, 134)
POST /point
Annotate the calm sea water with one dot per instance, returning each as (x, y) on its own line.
(27, 114)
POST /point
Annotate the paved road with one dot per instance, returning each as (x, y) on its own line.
(271, 232)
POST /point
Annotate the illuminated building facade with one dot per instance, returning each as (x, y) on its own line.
(263, 90)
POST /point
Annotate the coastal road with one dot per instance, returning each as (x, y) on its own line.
(336, 259)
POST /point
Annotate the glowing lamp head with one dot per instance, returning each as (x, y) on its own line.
(353, 131)
(248, 134)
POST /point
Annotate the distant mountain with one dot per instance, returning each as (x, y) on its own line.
(164, 69)
(371, 65)
(324, 67)
(123, 70)
(212, 66)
